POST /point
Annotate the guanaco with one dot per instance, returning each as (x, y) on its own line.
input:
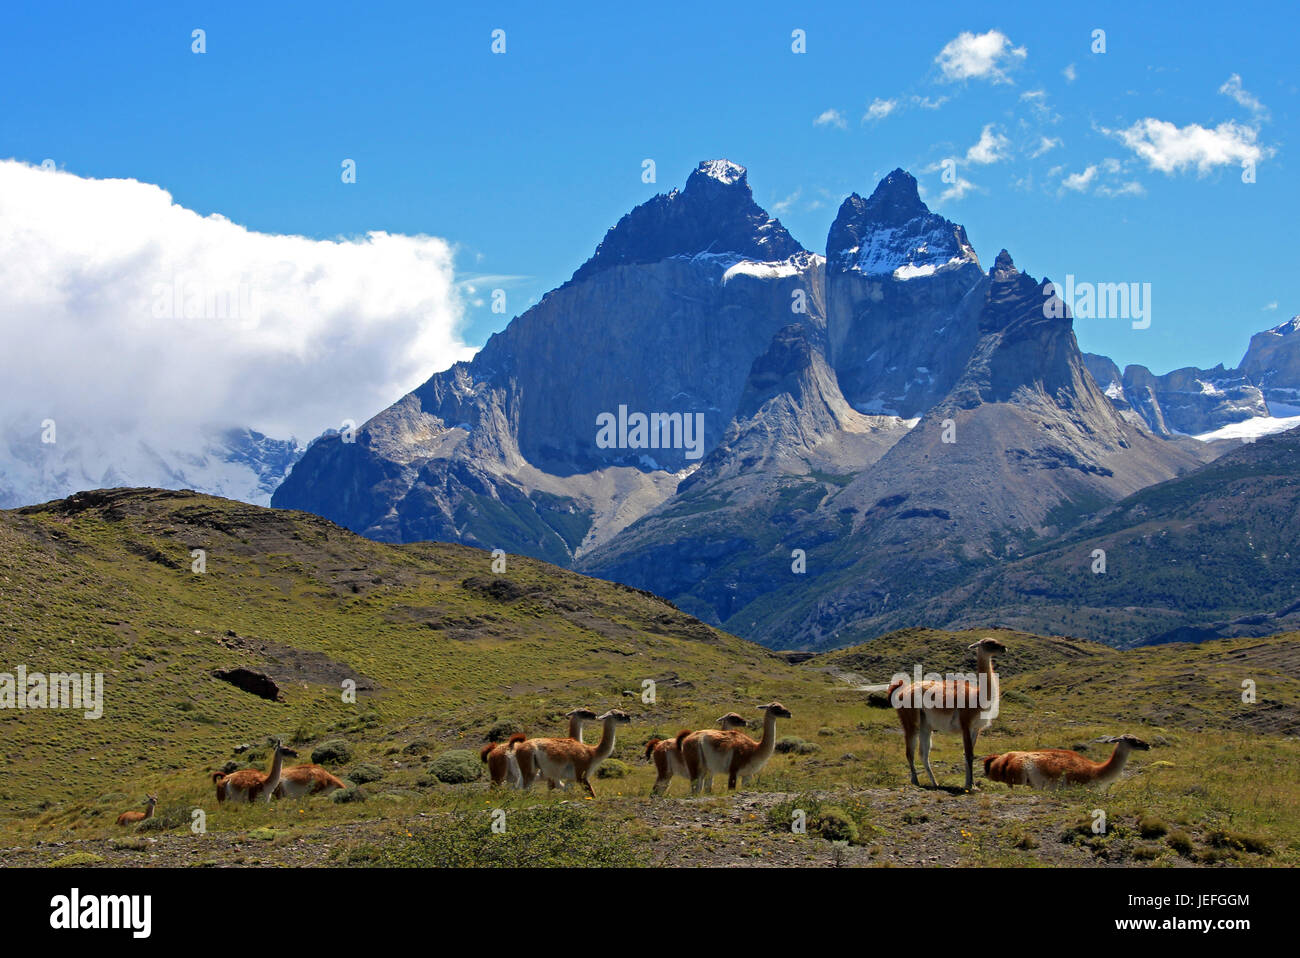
(497, 754)
(300, 780)
(560, 760)
(130, 818)
(668, 757)
(951, 705)
(709, 752)
(248, 784)
(1054, 767)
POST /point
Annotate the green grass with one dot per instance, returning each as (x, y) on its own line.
(442, 662)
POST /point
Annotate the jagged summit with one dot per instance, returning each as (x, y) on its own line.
(1003, 268)
(893, 233)
(714, 214)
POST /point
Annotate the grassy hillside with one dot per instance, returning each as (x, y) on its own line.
(444, 652)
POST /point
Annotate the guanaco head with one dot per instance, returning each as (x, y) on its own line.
(775, 708)
(586, 715)
(1132, 741)
(732, 720)
(281, 750)
(151, 800)
(987, 646)
(616, 715)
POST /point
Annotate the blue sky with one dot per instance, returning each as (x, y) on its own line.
(523, 160)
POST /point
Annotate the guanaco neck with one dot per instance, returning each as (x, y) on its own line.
(277, 763)
(1115, 764)
(767, 744)
(984, 661)
(148, 810)
(606, 745)
(575, 728)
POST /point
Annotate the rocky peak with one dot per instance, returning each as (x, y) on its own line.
(714, 214)
(894, 233)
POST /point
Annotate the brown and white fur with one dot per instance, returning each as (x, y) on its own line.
(248, 784)
(497, 754)
(919, 720)
(130, 818)
(668, 757)
(1054, 767)
(709, 752)
(560, 760)
(302, 780)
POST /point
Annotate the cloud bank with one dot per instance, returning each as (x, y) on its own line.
(121, 310)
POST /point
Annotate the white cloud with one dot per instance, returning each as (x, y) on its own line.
(781, 207)
(991, 148)
(957, 190)
(880, 109)
(1079, 182)
(928, 103)
(1129, 188)
(1045, 145)
(123, 309)
(1271, 306)
(1232, 87)
(979, 56)
(830, 118)
(1171, 149)
(1070, 73)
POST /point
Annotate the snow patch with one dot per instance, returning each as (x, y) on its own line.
(1251, 428)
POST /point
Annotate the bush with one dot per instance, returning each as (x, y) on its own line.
(1151, 827)
(502, 729)
(345, 795)
(792, 743)
(456, 767)
(613, 768)
(77, 860)
(547, 837)
(1237, 842)
(361, 774)
(334, 752)
(834, 825)
(1180, 842)
(165, 819)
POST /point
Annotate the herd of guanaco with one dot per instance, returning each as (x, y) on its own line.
(944, 705)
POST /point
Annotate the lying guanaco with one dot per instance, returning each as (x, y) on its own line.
(1054, 767)
(130, 818)
(248, 784)
(668, 757)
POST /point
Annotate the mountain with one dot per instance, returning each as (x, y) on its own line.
(587, 409)
(238, 463)
(1033, 439)
(903, 291)
(1219, 402)
(1211, 554)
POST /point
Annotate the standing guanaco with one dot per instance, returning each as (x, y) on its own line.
(561, 760)
(497, 754)
(668, 757)
(710, 752)
(951, 705)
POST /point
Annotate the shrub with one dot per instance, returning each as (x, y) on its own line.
(344, 795)
(834, 825)
(361, 774)
(1237, 842)
(334, 752)
(546, 837)
(77, 859)
(613, 768)
(165, 819)
(502, 729)
(1151, 827)
(1180, 842)
(792, 743)
(456, 767)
